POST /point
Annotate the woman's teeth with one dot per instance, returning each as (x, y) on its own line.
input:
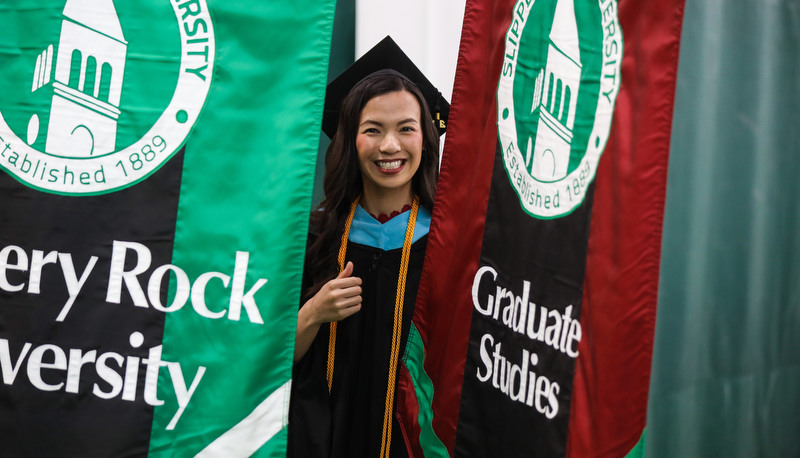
(389, 165)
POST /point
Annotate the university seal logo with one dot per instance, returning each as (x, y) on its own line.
(97, 95)
(555, 99)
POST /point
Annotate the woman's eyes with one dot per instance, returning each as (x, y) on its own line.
(374, 130)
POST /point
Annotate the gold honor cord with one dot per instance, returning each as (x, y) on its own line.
(332, 333)
(398, 326)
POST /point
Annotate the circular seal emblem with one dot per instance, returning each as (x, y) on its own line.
(98, 95)
(555, 99)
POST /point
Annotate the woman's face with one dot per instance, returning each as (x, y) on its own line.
(389, 143)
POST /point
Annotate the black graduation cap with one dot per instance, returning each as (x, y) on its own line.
(384, 55)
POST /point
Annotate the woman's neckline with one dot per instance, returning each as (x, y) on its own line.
(384, 218)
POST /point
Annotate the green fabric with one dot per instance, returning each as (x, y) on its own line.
(639, 448)
(726, 365)
(247, 183)
(414, 359)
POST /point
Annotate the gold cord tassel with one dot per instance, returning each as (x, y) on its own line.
(386, 439)
(332, 333)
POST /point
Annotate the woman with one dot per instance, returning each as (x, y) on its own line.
(363, 266)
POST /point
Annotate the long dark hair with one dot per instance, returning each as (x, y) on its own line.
(342, 183)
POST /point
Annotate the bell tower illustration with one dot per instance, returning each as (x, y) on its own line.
(556, 96)
(87, 85)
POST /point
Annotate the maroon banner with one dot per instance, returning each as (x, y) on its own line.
(443, 314)
(612, 375)
(533, 98)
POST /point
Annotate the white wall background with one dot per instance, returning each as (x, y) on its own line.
(429, 32)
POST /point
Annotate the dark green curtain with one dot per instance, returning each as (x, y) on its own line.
(343, 49)
(726, 364)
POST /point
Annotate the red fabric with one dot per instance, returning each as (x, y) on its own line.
(612, 373)
(407, 412)
(444, 306)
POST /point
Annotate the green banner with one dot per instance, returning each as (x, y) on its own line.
(157, 162)
(243, 212)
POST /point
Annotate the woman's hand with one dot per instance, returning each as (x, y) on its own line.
(336, 300)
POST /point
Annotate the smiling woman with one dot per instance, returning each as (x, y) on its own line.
(389, 144)
(366, 249)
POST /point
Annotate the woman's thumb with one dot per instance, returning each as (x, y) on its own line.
(347, 271)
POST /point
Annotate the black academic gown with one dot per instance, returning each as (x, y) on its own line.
(348, 423)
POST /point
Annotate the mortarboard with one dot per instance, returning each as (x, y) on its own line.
(384, 55)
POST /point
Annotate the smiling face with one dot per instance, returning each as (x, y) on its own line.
(389, 144)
